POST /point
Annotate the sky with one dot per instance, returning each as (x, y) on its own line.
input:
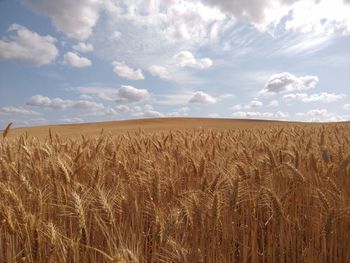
(64, 61)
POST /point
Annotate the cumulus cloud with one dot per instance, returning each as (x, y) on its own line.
(252, 114)
(314, 113)
(119, 109)
(131, 94)
(201, 97)
(75, 61)
(116, 35)
(187, 59)
(320, 17)
(101, 92)
(321, 97)
(327, 17)
(181, 98)
(261, 115)
(286, 82)
(61, 104)
(85, 97)
(254, 104)
(134, 111)
(191, 20)
(74, 18)
(28, 46)
(152, 31)
(274, 103)
(72, 120)
(159, 71)
(83, 47)
(260, 13)
(237, 107)
(281, 114)
(124, 94)
(122, 70)
(183, 111)
(18, 110)
(146, 111)
(322, 115)
(346, 107)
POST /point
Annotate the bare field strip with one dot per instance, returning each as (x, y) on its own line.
(230, 191)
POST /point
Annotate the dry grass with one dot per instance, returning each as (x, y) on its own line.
(200, 195)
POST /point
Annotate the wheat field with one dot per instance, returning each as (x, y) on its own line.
(273, 194)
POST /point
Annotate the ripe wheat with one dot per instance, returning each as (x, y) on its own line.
(200, 195)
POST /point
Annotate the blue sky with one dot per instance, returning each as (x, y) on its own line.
(69, 61)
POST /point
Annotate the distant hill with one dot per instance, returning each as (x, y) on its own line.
(149, 125)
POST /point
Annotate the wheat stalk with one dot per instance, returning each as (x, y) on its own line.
(6, 131)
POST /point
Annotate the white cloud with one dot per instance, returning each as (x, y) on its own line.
(173, 99)
(122, 70)
(18, 110)
(213, 115)
(61, 104)
(286, 82)
(261, 115)
(305, 44)
(85, 97)
(226, 96)
(322, 115)
(281, 114)
(273, 103)
(83, 47)
(100, 92)
(191, 20)
(252, 114)
(260, 13)
(319, 17)
(119, 109)
(116, 35)
(183, 111)
(131, 94)
(314, 113)
(72, 120)
(327, 17)
(159, 71)
(187, 59)
(254, 104)
(202, 98)
(321, 97)
(346, 107)
(153, 31)
(74, 60)
(74, 18)
(204, 63)
(237, 107)
(28, 46)
(124, 94)
(146, 111)
(134, 111)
